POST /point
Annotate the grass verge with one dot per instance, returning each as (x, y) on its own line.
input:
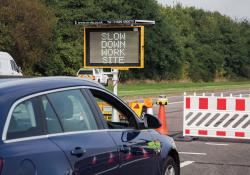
(154, 89)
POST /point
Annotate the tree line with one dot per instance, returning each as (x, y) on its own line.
(186, 43)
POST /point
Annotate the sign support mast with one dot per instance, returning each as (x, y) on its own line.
(115, 116)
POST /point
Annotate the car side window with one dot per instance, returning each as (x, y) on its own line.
(111, 107)
(73, 110)
(25, 121)
(53, 124)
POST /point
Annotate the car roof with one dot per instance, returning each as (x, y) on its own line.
(15, 88)
(85, 69)
(5, 56)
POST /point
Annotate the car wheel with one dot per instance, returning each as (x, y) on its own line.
(170, 167)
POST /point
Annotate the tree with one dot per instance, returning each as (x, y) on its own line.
(26, 31)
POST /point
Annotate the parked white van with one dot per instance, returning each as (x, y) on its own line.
(95, 74)
(8, 66)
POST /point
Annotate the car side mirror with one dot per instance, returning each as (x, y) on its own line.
(151, 122)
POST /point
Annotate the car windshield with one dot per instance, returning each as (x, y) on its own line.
(85, 72)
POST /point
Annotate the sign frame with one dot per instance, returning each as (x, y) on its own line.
(86, 59)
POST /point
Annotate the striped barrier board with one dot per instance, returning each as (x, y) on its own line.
(216, 116)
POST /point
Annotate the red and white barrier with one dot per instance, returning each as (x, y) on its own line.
(216, 116)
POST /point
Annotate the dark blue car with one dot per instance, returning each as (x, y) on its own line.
(54, 126)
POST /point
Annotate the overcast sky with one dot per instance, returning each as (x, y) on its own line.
(233, 8)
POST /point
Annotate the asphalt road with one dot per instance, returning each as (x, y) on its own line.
(205, 156)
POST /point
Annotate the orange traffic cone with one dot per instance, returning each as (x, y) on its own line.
(162, 117)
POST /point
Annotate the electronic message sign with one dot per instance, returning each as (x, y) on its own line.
(110, 47)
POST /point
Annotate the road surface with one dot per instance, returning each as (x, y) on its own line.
(207, 156)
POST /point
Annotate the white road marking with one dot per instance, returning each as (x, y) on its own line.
(177, 102)
(217, 144)
(186, 163)
(192, 153)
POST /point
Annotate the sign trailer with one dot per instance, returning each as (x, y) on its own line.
(115, 44)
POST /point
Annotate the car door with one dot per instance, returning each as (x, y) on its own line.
(88, 147)
(134, 145)
(26, 149)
